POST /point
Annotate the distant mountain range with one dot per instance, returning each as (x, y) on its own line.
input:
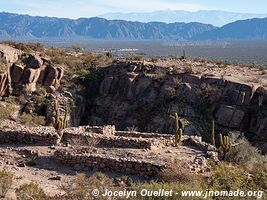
(14, 26)
(251, 29)
(214, 17)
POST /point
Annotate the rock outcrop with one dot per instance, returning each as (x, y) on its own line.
(24, 72)
(131, 94)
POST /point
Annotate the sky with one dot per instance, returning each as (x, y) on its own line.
(90, 8)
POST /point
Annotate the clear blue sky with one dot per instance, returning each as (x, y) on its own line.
(89, 8)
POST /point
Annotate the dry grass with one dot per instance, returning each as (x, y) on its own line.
(178, 172)
(246, 155)
(83, 186)
(6, 179)
(30, 191)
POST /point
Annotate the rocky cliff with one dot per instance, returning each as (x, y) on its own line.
(145, 96)
(24, 73)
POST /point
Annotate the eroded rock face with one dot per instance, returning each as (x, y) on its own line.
(136, 95)
(229, 116)
(27, 71)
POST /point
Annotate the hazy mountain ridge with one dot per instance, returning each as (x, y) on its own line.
(214, 17)
(251, 29)
(24, 26)
(14, 26)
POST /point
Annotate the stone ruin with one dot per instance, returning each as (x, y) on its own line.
(105, 149)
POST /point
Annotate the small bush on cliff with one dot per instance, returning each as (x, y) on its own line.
(30, 191)
(6, 179)
(77, 48)
(136, 57)
(31, 119)
(6, 111)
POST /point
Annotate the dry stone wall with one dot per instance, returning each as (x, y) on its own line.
(36, 136)
(107, 163)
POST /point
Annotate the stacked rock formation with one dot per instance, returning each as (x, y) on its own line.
(24, 72)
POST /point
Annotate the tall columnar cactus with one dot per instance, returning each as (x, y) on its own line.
(212, 136)
(178, 131)
(60, 122)
(180, 135)
(225, 144)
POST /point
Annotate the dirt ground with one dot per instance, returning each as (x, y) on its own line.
(53, 177)
(237, 73)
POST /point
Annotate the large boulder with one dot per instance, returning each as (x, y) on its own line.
(51, 76)
(141, 84)
(229, 116)
(33, 61)
(262, 128)
(30, 76)
(16, 72)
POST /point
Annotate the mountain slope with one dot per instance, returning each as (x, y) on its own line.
(14, 26)
(214, 17)
(25, 26)
(252, 29)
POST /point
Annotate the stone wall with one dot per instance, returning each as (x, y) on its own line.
(37, 136)
(105, 136)
(107, 163)
(79, 136)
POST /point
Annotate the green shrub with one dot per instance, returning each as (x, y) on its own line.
(6, 111)
(188, 69)
(136, 57)
(31, 119)
(30, 191)
(77, 48)
(83, 73)
(6, 179)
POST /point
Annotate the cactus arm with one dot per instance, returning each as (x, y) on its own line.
(176, 129)
(180, 135)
